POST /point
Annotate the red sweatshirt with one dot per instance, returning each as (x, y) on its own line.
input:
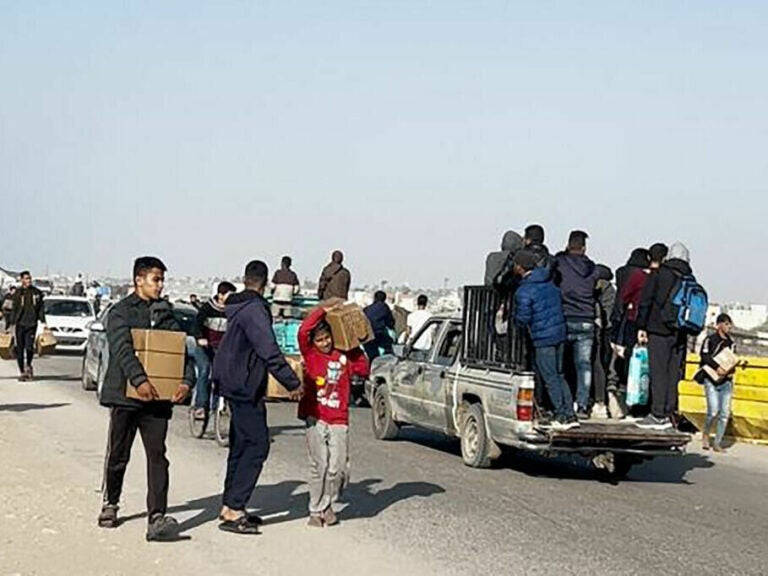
(327, 377)
(630, 294)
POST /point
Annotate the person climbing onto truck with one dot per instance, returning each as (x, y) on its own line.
(539, 307)
(325, 409)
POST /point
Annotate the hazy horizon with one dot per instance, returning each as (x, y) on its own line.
(411, 135)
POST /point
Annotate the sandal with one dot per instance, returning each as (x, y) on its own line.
(252, 518)
(240, 526)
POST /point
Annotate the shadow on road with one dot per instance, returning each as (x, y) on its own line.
(30, 407)
(278, 503)
(665, 470)
(47, 378)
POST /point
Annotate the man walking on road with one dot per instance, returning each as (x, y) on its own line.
(27, 311)
(143, 309)
(248, 353)
(335, 279)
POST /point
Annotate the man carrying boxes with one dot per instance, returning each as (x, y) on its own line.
(148, 371)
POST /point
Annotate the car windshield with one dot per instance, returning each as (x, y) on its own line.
(73, 308)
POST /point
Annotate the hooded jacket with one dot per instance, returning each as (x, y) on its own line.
(334, 282)
(541, 253)
(577, 278)
(656, 297)
(638, 260)
(538, 306)
(249, 351)
(124, 368)
(498, 263)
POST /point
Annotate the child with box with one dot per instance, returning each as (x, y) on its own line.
(325, 409)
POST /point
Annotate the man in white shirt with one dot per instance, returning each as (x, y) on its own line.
(416, 321)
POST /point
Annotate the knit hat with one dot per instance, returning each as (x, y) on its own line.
(678, 251)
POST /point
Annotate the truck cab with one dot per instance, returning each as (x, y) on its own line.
(474, 381)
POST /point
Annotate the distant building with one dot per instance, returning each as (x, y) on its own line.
(749, 316)
(8, 278)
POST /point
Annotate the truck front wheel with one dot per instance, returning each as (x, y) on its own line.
(475, 444)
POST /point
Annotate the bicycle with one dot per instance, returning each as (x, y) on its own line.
(198, 426)
(221, 420)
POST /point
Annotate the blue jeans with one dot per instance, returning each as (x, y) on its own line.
(581, 335)
(718, 407)
(203, 384)
(549, 365)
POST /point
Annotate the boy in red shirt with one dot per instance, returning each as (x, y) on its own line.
(325, 408)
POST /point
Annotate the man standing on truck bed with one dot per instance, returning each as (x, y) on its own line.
(538, 306)
(143, 309)
(577, 277)
(335, 279)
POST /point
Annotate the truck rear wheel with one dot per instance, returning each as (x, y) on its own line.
(384, 425)
(475, 444)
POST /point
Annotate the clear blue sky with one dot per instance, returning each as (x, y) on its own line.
(410, 134)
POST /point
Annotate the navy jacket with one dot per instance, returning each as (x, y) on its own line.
(577, 276)
(249, 351)
(382, 320)
(539, 307)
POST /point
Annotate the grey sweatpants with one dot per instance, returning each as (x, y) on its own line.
(328, 471)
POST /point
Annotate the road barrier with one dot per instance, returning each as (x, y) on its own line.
(749, 420)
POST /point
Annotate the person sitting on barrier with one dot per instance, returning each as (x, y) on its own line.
(539, 307)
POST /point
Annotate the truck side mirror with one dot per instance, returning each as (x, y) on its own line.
(96, 326)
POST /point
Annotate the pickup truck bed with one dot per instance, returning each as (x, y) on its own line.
(613, 436)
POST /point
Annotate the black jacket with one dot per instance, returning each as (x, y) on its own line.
(711, 347)
(27, 307)
(543, 258)
(124, 367)
(577, 278)
(249, 351)
(655, 301)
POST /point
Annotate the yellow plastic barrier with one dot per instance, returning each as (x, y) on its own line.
(749, 420)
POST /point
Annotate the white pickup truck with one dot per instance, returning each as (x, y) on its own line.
(473, 386)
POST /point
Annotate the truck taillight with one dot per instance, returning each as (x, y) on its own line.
(525, 404)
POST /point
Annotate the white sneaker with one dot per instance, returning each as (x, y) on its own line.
(599, 412)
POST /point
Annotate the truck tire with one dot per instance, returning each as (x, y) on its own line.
(88, 384)
(475, 444)
(384, 425)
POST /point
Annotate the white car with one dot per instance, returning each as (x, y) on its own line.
(69, 318)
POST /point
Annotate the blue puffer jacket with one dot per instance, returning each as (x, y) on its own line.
(539, 306)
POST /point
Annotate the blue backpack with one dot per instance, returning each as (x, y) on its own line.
(689, 305)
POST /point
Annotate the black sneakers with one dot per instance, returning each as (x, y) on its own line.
(108, 516)
(162, 529)
(650, 422)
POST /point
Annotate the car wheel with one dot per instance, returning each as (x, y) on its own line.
(87, 383)
(475, 444)
(384, 425)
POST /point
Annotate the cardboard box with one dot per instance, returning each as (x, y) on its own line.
(726, 359)
(275, 390)
(350, 327)
(7, 347)
(46, 343)
(162, 354)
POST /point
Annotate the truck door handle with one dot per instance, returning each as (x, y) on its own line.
(420, 370)
(443, 374)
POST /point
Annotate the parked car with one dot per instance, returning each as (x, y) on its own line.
(97, 349)
(69, 319)
(471, 386)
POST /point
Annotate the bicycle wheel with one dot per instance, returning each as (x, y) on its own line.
(221, 423)
(197, 426)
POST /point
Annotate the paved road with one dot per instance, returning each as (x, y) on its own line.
(414, 508)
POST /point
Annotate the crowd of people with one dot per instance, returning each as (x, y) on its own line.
(569, 307)
(566, 304)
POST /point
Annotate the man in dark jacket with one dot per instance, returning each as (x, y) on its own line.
(143, 309)
(382, 321)
(28, 310)
(335, 279)
(248, 353)
(211, 324)
(534, 243)
(538, 307)
(666, 344)
(285, 287)
(601, 357)
(577, 277)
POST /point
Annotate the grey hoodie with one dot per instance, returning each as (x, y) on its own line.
(495, 262)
